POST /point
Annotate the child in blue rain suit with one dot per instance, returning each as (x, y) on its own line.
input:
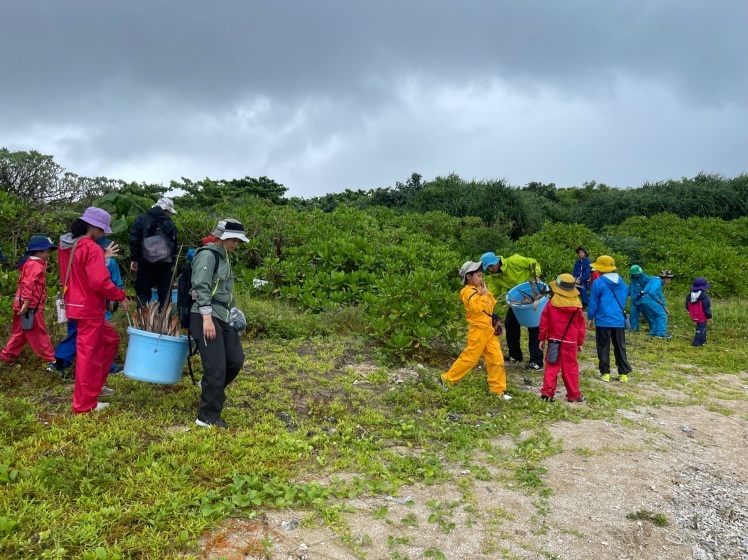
(654, 306)
(581, 274)
(636, 290)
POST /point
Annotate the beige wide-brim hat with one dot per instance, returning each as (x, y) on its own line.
(565, 292)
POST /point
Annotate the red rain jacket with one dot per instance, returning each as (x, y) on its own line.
(89, 284)
(32, 285)
(553, 321)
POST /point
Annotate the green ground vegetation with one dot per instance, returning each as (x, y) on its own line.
(317, 420)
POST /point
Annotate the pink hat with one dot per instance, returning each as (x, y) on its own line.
(98, 218)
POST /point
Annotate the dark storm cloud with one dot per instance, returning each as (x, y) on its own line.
(286, 86)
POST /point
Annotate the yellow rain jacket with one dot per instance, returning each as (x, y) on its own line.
(479, 308)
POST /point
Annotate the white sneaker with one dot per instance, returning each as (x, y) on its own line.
(106, 391)
(505, 397)
(101, 406)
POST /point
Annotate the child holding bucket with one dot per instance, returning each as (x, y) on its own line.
(86, 285)
(699, 307)
(28, 305)
(482, 341)
(562, 325)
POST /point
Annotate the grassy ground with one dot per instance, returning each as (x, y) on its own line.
(139, 480)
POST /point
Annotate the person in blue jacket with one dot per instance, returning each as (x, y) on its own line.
(636, 290)
(654, 306)
(67, 348)
(605, 312)
(581, 274)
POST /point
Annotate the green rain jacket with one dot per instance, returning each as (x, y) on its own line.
(213, 295)
(514, 270)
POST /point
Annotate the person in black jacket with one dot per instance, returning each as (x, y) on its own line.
(153, 267)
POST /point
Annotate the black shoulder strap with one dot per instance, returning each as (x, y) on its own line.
(615, 298)
(574, 314)
(216, 255)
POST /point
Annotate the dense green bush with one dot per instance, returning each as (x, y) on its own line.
(386, 260)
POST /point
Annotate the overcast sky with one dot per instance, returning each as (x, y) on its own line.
(324, 95)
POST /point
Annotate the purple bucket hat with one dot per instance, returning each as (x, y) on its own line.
(98, 218)
(700, 284)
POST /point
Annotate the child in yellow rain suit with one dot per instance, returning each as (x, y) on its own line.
(482, 340)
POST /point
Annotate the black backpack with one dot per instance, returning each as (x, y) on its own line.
(185, 301)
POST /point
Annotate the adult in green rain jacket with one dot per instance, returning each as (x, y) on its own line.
(217, 341)
(505, 273)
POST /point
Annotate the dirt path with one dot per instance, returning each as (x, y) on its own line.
(684, 462)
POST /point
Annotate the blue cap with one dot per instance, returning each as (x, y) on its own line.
(489, 259)
(40, 243)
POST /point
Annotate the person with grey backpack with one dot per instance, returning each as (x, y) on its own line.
(153, 250)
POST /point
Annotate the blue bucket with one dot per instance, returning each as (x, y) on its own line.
(154, 295)
(525, 313)
(156, 358)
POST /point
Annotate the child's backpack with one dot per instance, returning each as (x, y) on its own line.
(185, 301)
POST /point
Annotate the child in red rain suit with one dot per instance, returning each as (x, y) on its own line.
(482, 341)
(86, 288)
(563, 320)
(29, 304)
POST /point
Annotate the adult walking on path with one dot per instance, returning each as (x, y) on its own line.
(605, 313)
(153, 249)
(217, 341)
(505, 273)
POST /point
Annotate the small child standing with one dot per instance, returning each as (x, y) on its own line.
(28, 319)
(699, 307)
(581, 273)
(482, 340)
(562, 324)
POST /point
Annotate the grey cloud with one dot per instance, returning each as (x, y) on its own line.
(313, 92)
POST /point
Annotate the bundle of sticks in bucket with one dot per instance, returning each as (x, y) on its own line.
(149, 319)
(536, 293)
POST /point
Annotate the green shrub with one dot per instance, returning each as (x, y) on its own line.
(276, 319)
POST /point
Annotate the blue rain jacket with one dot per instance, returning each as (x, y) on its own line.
(605, 296)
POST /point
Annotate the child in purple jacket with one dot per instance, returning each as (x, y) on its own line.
(699, 307)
